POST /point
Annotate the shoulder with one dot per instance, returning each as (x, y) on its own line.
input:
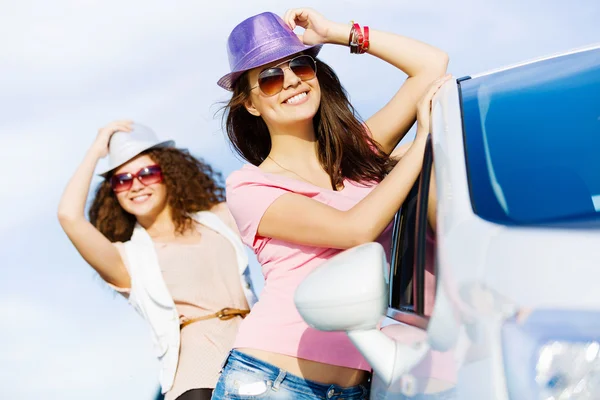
(250, 187)
(248, 174)
(251, 191)
(222, 211)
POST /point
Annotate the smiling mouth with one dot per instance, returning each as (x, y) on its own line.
(297, 98)
(140, 199)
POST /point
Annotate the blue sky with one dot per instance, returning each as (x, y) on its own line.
(67, 67)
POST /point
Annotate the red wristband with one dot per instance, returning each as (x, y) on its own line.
(359, 34)
(365, 44)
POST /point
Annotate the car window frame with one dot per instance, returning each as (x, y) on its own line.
(412, 216)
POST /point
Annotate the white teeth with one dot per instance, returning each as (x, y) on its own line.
(296, 98)
(140, 199)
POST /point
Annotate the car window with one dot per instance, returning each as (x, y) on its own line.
(403, 254)
(425, 238)
(532, 139)
(411, 288)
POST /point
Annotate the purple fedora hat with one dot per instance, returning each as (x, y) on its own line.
(260, 40)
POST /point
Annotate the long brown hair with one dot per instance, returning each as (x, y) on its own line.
(192, 186)
(345, 148)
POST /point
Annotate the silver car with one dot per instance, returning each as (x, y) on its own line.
(499, 296)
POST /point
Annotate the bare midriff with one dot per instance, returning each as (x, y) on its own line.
(311, 370)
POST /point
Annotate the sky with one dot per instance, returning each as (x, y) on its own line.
(69, 67)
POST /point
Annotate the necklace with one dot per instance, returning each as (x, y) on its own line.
(289, 170)
(298, 175)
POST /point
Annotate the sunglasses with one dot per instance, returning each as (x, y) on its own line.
(147, 175)
(270, 80)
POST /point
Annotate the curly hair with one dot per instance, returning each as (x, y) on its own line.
(192, 186)
(345, 147)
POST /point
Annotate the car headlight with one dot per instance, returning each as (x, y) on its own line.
(553, 355)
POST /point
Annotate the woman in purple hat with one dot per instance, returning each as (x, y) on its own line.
(160, 234)
(319, 180)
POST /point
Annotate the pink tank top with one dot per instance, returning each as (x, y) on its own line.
(274, 324)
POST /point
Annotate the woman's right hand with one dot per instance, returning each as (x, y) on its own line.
(316, 26)
(104, 134)
(424, 105)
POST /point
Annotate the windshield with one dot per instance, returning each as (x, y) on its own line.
(532, 140)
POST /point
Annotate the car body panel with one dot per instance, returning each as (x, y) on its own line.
(490, 272)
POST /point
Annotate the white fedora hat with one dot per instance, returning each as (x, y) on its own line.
(124, 146)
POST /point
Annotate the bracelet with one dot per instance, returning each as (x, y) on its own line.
(352, 42)
(365, 44)
(358, 39)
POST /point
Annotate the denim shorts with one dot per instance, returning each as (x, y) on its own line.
(244, 377)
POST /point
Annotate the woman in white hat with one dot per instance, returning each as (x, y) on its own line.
(160, 234)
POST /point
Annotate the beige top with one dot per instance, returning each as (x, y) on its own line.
(202, 278)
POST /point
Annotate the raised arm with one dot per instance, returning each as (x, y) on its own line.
(421, 62)
(298, 219)
(93, 246)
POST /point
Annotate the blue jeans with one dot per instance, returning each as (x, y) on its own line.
(244, 377)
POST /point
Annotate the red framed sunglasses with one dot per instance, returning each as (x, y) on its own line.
(147, 175)
(270, 80)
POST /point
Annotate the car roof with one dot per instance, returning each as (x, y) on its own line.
(556, 55)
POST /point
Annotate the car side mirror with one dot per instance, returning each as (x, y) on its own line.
(349, 292)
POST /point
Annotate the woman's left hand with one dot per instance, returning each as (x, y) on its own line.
(316, 26)
(424, 105)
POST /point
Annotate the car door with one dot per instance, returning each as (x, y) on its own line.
(412, 290)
